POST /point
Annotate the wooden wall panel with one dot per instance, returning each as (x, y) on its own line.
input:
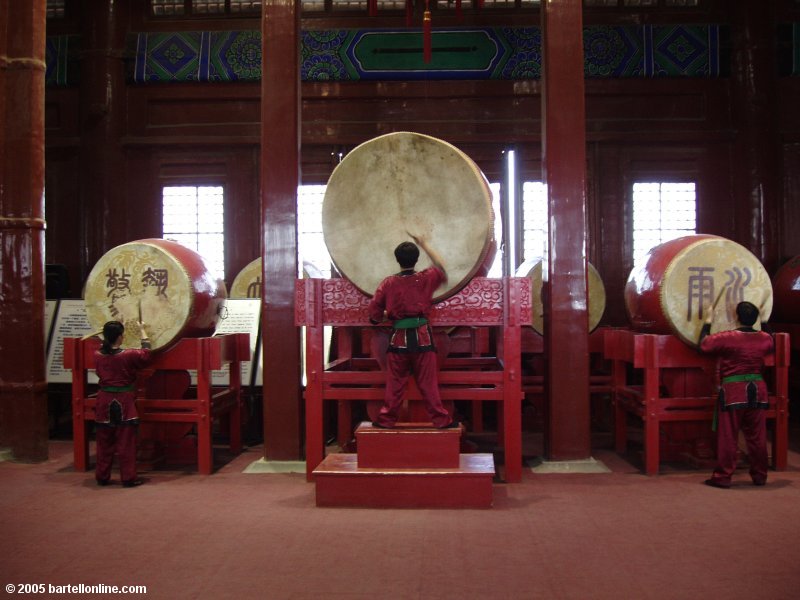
(790, 224)
(64, 236)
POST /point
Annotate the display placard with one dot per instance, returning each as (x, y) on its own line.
(70, 322)
(238, 315)
(50, 308)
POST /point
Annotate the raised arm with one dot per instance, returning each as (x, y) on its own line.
(437, 261)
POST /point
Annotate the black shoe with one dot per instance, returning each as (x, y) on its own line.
(103, 482)
(759, 483)
(453, 425)
(379, 426)
(717, 484)
(132, 483)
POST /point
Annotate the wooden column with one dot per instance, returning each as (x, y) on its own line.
(23, 387)
(565, 304)
(103, 108)
(280, 176)
(756, 164)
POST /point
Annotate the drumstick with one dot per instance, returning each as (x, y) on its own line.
(719, 297)
(88, 335)
(140, 312)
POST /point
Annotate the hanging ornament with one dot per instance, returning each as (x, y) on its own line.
(372, 6)
(409, 12)
(426, 35)
(459, 14)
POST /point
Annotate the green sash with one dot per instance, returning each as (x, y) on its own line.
(410, 323)
(114, 389)
(745, 377)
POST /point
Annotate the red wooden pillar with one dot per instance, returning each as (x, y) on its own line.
(103, 109)
(280, 176)
(756, 165)
(564, 149)
(23, 387)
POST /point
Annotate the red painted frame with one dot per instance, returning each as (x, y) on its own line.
(204, 355)
(652, 353)
(503, 304)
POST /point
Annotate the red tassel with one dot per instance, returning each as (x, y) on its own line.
(459, 14)
(373, 8)
(480, 4)
(409, 12)
(426, 37)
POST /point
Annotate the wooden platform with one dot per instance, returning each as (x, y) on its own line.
(341, 482)
(409, 445)
(410, 466)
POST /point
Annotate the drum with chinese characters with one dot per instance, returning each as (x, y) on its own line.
(786, 286)
(403, 183)
(247, 283)
(164, 283)
(596, 294)
(680, 281)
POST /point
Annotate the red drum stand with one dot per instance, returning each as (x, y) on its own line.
(656, 358)
(499, 305)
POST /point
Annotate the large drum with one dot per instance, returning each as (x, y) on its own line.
(596, 293)
(403, 183)
(680, 280)
(167, 284)
(786, 285)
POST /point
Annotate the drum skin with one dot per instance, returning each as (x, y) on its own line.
(247, 283)
(786, 287)
(679, 280)
(169, 283)
(400, 184)
(596, 292)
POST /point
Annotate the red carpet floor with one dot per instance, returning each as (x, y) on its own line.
(236, 535)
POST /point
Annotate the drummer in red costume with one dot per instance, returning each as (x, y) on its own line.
(115, 411)
(405, 298)
(743, 395)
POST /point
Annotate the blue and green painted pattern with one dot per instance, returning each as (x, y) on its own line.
(499, 53)
(198, 56)
(61, 60)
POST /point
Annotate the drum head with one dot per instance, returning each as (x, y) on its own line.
(596, 293)
(696, 271)
(407, 182)
(163, 281)
(248, 282)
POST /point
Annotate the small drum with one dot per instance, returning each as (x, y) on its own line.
(786, 285)
(247, 283)
(680, 280)
(403, 183)
(164, 283)
(596, 294)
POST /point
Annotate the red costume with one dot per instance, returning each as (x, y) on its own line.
(743, 397)
(115, 411)
(406, 298)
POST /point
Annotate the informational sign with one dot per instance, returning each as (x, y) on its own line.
(70, 322)
(50, 308)
(238, 315)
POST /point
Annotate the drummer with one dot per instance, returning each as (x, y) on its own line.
(743, 395)
(406, 298)
(115, 412)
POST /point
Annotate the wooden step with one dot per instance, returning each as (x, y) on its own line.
(407, 446)
(340, 482)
